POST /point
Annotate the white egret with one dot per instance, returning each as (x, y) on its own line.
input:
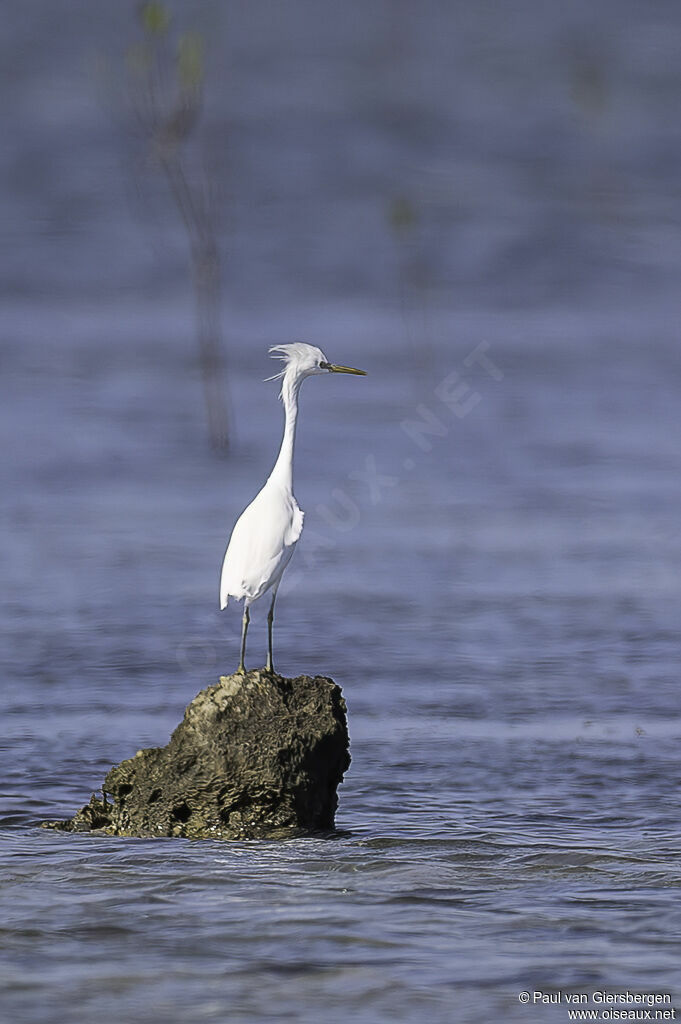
(266, 533)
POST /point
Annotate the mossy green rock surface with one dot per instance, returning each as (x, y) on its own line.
(255, 756)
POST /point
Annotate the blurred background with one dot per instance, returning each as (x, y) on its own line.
(479, 204)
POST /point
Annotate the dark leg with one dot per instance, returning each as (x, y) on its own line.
(270, 619)
(244, 629)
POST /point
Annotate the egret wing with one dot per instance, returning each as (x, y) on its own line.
(261, 545)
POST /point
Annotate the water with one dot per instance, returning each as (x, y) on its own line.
(499, 600)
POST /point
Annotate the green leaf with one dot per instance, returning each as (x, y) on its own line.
(155, 18)
(190, 60)
(401, 213)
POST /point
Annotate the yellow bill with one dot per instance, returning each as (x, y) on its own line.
(343, 369)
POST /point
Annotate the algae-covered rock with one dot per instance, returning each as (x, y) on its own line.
(256, 755)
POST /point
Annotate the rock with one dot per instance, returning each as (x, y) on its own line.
(255, 756)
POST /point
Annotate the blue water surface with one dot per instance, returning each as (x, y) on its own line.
(483, 212)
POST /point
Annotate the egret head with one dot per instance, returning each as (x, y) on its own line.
(306, 360)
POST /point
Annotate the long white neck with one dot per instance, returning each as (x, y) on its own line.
(282, 472)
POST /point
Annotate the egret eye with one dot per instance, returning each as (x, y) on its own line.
(324, 366)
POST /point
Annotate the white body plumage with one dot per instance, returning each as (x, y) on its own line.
(266, 533)
(262, 543)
